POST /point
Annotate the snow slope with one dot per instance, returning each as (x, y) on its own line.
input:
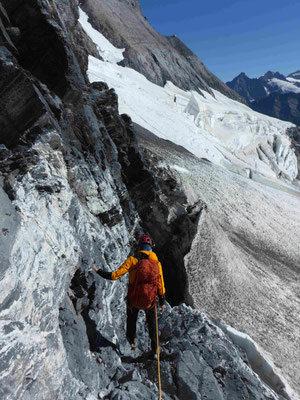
(294, 78)
(217, 128)
(290, 79)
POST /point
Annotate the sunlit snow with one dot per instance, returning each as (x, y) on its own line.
(283, 86)
(290, 79)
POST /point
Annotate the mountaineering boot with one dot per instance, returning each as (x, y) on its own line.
(154, 354)
(133, 344)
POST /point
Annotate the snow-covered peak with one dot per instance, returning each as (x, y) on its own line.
(277, 82)
(293, 80)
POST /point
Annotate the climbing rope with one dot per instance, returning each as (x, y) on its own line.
(158, 355)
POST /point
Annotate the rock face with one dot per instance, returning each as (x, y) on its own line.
(282, 106)
(160, 58)
(63, 191)
(250, 89)
(75, 189)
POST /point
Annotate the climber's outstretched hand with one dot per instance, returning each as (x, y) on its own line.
(95, 268)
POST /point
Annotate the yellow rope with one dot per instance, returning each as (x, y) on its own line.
(158, 355)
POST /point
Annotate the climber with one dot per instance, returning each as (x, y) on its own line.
(146, 268)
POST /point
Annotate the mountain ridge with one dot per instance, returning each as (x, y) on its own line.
(257, 88)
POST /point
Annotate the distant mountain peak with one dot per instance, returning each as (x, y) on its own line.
(272, 94)
(250, 89)
(271, 75)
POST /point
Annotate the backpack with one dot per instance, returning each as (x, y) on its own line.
(143, 291)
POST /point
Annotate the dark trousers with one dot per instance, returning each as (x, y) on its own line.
(132, 314)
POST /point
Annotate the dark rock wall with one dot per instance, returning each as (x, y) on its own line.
(57, 161)
(250, 89)
(282, 106)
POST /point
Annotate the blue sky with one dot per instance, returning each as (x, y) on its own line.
(233, 36)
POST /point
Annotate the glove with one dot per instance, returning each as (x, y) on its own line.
(103, 274)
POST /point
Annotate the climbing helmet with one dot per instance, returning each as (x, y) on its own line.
(146, 239)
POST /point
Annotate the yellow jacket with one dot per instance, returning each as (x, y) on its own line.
(131, 262)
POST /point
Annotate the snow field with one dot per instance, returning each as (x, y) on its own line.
(290, 79)
(219, 129)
